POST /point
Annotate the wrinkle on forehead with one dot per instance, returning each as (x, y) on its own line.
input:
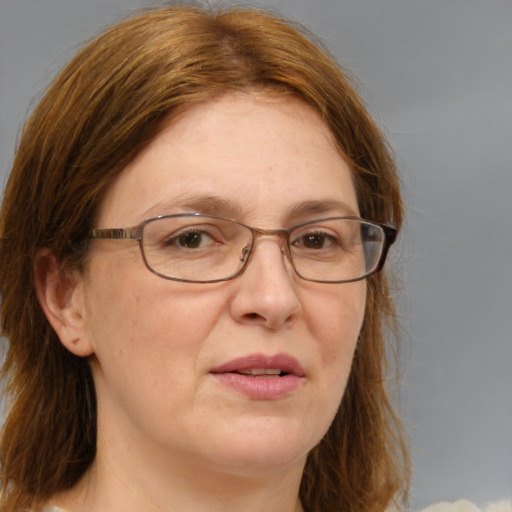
(270, 147)
(223, 207)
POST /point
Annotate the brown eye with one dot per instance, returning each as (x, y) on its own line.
(314, 241)
(191, 240)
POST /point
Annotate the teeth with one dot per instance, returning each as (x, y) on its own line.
(261, 371)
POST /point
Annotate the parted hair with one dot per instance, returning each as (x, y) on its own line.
(103, 108)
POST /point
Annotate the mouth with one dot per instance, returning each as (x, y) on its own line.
(260, 365)
(261, 377)
(263, 372)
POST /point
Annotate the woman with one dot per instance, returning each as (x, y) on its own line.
(192, 240)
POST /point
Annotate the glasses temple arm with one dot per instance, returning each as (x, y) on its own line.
(134, 233)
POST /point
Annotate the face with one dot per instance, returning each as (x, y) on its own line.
(167, 355)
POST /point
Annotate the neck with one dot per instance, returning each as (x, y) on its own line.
(132, 484)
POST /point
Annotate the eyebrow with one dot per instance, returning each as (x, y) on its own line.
(197, 203)
(223, 207)
(322, 207)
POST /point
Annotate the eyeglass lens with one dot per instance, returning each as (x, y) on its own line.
(203, 248)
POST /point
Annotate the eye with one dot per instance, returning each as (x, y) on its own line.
(190, 239)
(316, 241)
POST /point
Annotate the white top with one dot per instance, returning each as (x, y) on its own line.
(445, 506)
(467, 506)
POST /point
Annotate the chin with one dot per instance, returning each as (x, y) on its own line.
(261, 448)
(263, 462)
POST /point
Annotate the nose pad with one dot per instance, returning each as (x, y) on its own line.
(245, 254)
(283, 246)
(285, 250)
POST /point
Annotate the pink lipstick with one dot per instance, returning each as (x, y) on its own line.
(261, 377)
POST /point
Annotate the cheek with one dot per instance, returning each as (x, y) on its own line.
(336, 317)
(139, 319)
(335, 320)
(149, 335)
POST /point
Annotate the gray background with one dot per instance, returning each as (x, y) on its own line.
(437, 75)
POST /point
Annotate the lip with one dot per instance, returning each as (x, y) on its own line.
(261, 387)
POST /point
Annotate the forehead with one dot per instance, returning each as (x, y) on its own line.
(256, 154)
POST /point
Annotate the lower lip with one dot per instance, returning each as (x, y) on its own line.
(260, 388)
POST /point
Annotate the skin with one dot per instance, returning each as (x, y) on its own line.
(170, 437)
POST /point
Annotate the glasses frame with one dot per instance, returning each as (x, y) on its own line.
(136, 233)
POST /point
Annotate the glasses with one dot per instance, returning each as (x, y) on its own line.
(198, 248)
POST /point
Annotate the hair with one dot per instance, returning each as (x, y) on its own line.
(106, 105)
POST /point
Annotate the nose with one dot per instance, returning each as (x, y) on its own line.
(267, 293)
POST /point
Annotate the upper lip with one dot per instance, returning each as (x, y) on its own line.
(283, 362)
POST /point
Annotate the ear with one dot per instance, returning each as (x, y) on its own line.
(61, 295)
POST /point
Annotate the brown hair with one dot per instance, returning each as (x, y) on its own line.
(106, 105)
